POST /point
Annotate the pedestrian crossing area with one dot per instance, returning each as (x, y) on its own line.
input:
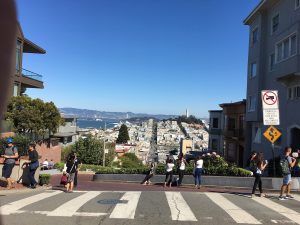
(173, 206)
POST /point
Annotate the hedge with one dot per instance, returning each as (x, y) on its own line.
(44, 179)
(212, 167)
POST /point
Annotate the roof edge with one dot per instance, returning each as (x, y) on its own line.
(254, 11)
(33, 48)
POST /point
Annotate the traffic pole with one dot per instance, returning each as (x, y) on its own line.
(273, 152)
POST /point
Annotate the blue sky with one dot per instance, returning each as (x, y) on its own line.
(148, 56)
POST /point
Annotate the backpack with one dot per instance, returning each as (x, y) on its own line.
(64, 179)
(284, 165)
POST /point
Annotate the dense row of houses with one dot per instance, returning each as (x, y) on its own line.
(273, 64)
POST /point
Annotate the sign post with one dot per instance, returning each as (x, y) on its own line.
(272, 135)
(270, 103)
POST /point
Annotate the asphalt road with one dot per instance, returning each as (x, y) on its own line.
(144, 207)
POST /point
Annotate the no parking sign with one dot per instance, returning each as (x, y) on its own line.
(270, 103)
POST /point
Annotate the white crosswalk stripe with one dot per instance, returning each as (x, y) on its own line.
(237, 214)
(126, 211)
(179, 208)
(70, 208)
(14, 207)
(127, 207)
(288, 213)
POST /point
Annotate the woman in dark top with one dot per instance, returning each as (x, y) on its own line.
(260, 166)
(71, 169)
(33, 164)
(149, 175)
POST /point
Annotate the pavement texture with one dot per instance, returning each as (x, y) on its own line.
(144, 208)
(114, 203)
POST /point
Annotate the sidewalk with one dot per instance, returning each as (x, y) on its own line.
(85, 183)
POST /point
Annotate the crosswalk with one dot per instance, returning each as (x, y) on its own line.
(192, 207)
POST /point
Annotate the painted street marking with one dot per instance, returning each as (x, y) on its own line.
(180, 210)
(237, 214)
(70, 208)
(85, 214)
(286, 212)
(15, 207)
(274, 221)
(126, 211)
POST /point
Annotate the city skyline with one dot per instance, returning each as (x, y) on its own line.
(142, 57)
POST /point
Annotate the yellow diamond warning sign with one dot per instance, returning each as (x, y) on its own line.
(272, 134)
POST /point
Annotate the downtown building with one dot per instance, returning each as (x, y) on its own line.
(273, 64)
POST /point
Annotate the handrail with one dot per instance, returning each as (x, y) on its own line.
(32, 75)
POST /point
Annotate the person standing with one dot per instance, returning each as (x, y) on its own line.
(45, 165)
(260, 167)
(149, 175)
(181, 164)
(10, 156)
(169, 172)
(198, 171)
(71, 169)
(78, 166)
(33, 164)
(287, 162)
(251, 162)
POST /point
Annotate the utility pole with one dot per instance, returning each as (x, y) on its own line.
(104, 145)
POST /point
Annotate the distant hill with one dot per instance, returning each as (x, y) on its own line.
(95, 114)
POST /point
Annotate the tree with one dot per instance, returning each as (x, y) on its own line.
(123, 135)
(90, 150)
(33, 116)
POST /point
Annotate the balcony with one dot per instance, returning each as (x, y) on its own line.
(235, 133)
(30, 79)
(32, 75)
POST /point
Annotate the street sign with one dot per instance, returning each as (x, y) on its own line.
(270, 99)
(272, 134)
(106, 151)
(270, 104)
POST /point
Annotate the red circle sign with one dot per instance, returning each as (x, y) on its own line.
(270, 98)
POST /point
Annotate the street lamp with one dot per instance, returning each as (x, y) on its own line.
(104, 145)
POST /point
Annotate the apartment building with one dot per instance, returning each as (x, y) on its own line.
(273, 64)
(227, 131)
(216, 142)
(25, 78)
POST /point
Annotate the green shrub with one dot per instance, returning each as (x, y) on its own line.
(44, 179)
(59, 166)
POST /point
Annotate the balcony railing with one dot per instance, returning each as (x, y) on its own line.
(32, 75)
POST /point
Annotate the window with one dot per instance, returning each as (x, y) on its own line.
(257, 138)
(215, 123)
(275, 23)
(293, 44)
(231, 123)
(18, 56)
(253, 70)
(251, 104)
(272, 61)
(293, 92)
(286, 48)
(279, 52)
(214, 144)
(290, 93)
(16, 90)
(297, 4)
(254, 35)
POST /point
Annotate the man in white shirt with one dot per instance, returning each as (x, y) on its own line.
(45, 165)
